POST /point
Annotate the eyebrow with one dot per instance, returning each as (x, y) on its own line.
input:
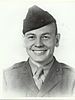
(47, 33)
(30, 34)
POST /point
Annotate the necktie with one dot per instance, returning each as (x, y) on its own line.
(39, 77)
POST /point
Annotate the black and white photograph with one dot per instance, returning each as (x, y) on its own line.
(37, 39)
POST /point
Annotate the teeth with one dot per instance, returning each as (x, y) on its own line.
(39, 52)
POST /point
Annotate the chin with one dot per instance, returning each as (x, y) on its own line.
(40, 60)
(36, 60)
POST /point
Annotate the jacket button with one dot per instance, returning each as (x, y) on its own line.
(57, 70)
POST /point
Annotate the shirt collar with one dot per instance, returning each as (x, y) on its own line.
(34, 66)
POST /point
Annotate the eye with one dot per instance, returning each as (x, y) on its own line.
(46, 37)
(31, 37)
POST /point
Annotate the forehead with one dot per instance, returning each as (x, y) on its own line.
(50, 28)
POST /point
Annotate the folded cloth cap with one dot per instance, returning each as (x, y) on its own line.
(36, 18)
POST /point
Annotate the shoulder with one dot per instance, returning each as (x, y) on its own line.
(63, 67)
(16, 68)
(66, 67)
(67, 70)
(13, 76)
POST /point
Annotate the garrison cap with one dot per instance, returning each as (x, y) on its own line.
(36, 18)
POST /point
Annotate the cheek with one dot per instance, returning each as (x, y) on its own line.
(28, 44)
(50, 43)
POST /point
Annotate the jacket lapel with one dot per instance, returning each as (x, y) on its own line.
(32, 88)
(53, 78)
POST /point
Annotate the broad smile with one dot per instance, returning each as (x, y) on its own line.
(39, 52)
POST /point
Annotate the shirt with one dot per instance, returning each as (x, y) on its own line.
(46, 68)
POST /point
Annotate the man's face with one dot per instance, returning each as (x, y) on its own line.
(40, 43)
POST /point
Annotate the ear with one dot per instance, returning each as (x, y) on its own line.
(57, 40)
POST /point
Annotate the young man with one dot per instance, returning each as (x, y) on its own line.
(41, 75)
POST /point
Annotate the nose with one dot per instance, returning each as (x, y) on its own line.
(38, 42)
